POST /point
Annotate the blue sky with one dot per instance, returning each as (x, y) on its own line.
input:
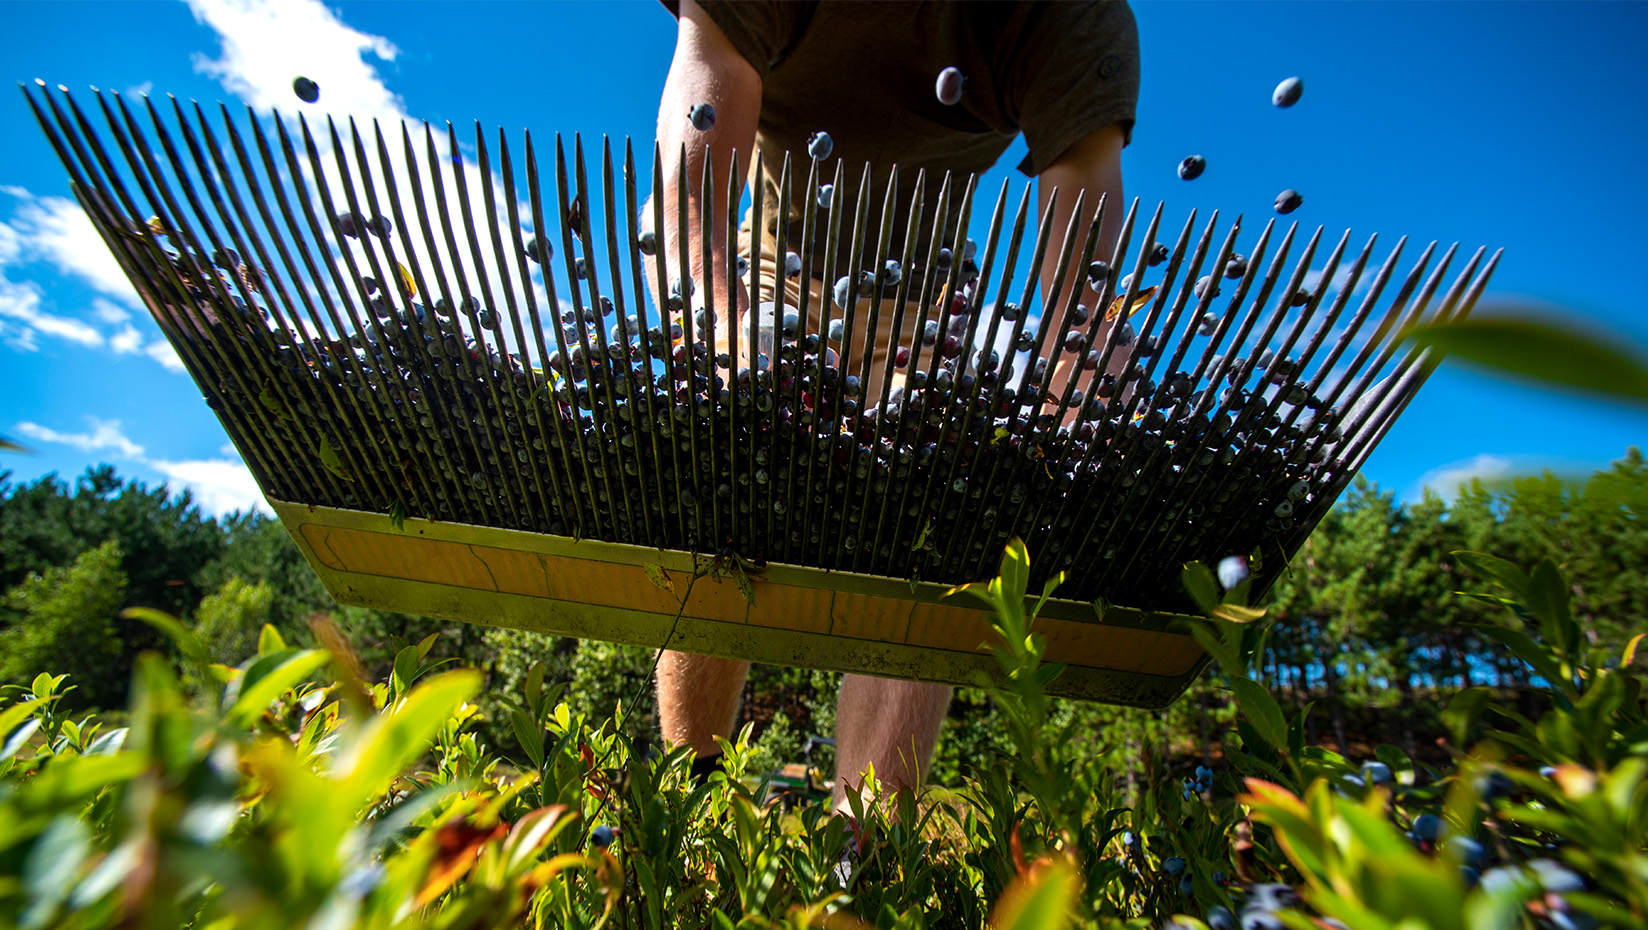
(1514, 125)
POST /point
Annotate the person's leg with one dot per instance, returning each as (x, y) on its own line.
(891, 723)
(697, 698)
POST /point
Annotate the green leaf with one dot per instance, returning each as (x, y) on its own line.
(270, 640)
(1537, 351)
(72, 780)
(405, 671)
(397, 515)
(1528, 650)
(1044, 899)
(329, 458)
(1015, 571)
(16, 714)
(1047, 592)
(1261, 710)
(659, 577)
(529, 735)
(6, 445)
(744, 586)
(399, 735)
(1240, 613)
(1548, 601)
(187, 642)
(1462, 710)
(535, 688)
(275, 405)
(1201, 585)
(1508, 575)
(45, 684)
(276, 673)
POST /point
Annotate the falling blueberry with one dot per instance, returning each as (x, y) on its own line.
(792, 265)
(1158, 254)
(539, 250)
(1237, 266)
(838, 330)
(1192, 167)
(702, 116)
(843, 285)
(308, 91)
(1097, 274)
(1232, 571)
(647, 242)
(350, 224)
(1288, 201)
(1288, 92)
(820, 145)
(891, 273)
(826, 196)
(580, 268)
(949, 86)
(1204, 283)
(381, 226)
(743, 266)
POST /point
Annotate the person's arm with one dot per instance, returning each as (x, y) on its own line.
(706, 69)
(1093, 163)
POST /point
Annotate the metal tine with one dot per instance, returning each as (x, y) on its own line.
(632, 214)
(872, 436)
(1400, 388)
(391, 282)
(1114, 421)
(1366, 403)
(970, 399)
(384, 270)
(781, 238)
(1277, 315)
(705, 368)
(1044, 232)
(463, 303)
(805, 432)
(661, 277)
(834, 537)
(930, 286)
(1185, 340)
(1249, 449)
(575, 214)
(952, 298)
(822, 434)
(785, 432)
(819, 443)
(525, 388)
(890, 432)
(592, 361)
(744, 531)
(635, 388)
(192, 252)
(84, 185)
(554, 508)
(1099, 447)
(264, 270)
(1063, 314)
(860, 401)
(686, 395)
(1140, 457)
(660, 424)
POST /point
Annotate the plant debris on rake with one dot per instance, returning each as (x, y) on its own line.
(1196, 426)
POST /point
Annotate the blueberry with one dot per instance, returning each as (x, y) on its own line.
(743, 266)
(949, 86)
(1097, 274)
(601, 836)
(381, 226)
(1258, 918)
(1376, 773)
(308, 91)
(351, 224)
(1288, 201)
(1426, 828)
(1174, 865)
(929, 333)
(486, 318)
(1220, 918)
(1288, 92)
(1556, 878)
(838, 328)
(702, 116)
(969, 251)
(1208, 324)
(647, 242)
(1236, 266)
(1008, 311)
(539, 250)
(1205, 282)
(1192, 167)
(580, 268)
(843, 289)
(1495, 785)
(826, 196)
(901, 357)
(792, 265)
(1158, 254)
(820, 145)
(891, 273)
(944, 260)
(1274, 897)
(1470, 852)
(1186, 885)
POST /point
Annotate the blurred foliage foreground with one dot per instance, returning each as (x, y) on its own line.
(289, 791)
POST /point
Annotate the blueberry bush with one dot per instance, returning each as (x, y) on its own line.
(292, 790)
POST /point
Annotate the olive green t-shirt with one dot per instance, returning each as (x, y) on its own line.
(865, 73)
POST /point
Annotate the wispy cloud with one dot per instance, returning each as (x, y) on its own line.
(161, 351)
(1446, 480)
(219, 486)
(20, 310)
(56, 230)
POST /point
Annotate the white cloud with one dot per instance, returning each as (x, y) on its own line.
(20, 303)
(219, 486)
(161, 351)
(104, 434)
(56, 230)
(11, 244)
(110, 312)
(1446, 480)
(138, 90)
(126, 341)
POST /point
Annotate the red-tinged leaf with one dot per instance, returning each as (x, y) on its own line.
(1630, 654)
(458, 844)
(1044, 898)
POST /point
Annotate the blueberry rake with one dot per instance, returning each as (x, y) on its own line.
(447, 431)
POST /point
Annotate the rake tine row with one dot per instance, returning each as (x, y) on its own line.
(433, 367)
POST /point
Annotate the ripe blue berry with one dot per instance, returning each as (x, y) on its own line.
(580, 268)
(891, 273)
(838, 328)
(792, 264)
(1288, 92)
(1097, 274)
(929, 333)
(843, 289)
(1288, 201)
(1173, 865)
(1158, 254)
(1237, 266)
(308, 91)
(1192, 167)
(1376, 773)
(601, 836)
(381, 226)
(1426, 828)
(949, 86)
(647, 242)
(820, 145)
(702, 116)
(539, 250)
(1232, 572)
(1186, 885)
(350, 224)
(826, 196)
